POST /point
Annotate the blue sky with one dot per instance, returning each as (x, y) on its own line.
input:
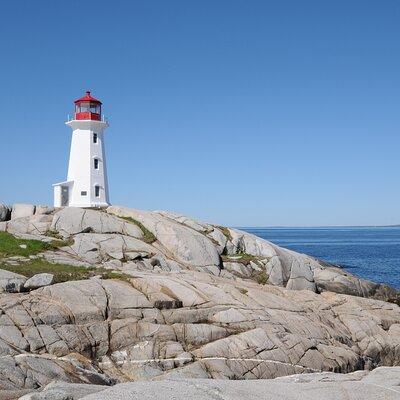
(245, 113)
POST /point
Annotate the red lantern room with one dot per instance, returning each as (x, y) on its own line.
(87, 107)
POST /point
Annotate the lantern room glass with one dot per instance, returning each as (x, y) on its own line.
(93, 108)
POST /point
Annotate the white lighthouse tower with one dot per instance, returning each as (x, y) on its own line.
(86, 184)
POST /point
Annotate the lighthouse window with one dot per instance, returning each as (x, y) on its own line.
(83, 193)
(94, 137)
(95, 108)
(96, 163)
(97, 191)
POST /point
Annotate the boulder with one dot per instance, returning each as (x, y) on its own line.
(5, 212)
(39, 280)
(29, 371)
(301, 277)
(11, 282)
(44, 210)
(185, 245)
(37, 225)
(22, 210)
(247, 243)
(238, 269)
(95, 248)
(3, 226)
(71, 221)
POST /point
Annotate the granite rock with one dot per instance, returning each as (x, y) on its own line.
(11, 282)
(377, 385)
(22, 210)
(39, 280)
(5, 212)
(195, 300)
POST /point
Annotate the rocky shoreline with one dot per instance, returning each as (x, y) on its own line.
(169, 297)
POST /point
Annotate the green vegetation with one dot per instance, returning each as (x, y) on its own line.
(61, 272)
(243, 258)
(243, 290)
(261, 277)
(12, 246)
(56, 244)
(53, 234)
(148, 236)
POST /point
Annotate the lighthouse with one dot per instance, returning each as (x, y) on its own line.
(86, 184)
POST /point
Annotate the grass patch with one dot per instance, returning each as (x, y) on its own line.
(56, 244)
(107, 274)
(13, 246)
(243, 258)
(62, 272)
(148, 236)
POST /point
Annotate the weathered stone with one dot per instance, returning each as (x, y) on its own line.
(238, 269)
(329, 386)
(11, 282)
(301, 277)
(96, 247)
(22, 210)
(71, 221)
(189, 222)
(221, 328)
(181, 244)
(186, 244)
(64, 391)
(3, 226)
(86, 300)
(26, 371)
(44, 210)
(178, 312)
(38, 281)
(5, 212)
(34, 225)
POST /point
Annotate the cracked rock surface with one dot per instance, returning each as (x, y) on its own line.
(223, 329)
(191, 305)
(380, 384)
(115, 238)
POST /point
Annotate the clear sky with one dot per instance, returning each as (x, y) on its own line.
(245, 113)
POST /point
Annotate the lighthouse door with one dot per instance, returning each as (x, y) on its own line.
(64, 196)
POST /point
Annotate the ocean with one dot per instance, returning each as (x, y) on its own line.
(369, 252)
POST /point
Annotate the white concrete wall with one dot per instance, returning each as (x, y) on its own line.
(81, 164)
(57, 195)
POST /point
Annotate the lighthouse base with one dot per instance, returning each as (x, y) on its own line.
(64, 196)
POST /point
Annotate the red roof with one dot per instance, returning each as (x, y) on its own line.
(87, 97)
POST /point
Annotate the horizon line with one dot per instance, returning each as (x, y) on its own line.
(316, 226)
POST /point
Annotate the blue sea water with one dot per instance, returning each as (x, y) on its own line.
(369, 252)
